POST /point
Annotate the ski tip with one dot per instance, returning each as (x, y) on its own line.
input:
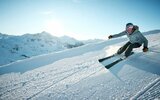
(99, 60)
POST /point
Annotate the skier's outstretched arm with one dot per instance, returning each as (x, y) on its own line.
(117, 35)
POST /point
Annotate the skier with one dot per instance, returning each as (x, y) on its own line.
(136, 39)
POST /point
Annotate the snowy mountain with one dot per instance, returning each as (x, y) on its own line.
(4, 36)
(152, 32)
(92, 41)
(20, 47)
(76, 74)
(70, 42)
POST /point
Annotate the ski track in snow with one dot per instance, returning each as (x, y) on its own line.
(150, 92)
(67, 78)
(84, 78)
(71, 72)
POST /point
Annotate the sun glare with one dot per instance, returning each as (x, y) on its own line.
(57, 28)
(54, 27)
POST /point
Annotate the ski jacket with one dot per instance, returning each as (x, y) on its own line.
(135, 37)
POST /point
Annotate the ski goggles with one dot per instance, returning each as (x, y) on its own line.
(129, 29)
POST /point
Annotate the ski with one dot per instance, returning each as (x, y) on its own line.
(117, 61)
(102, 59)
(113, 63)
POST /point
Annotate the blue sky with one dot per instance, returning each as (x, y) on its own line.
(82, 19)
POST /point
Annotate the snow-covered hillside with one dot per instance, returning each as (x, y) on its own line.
(14, 48)
(92, 41)
(76, 74)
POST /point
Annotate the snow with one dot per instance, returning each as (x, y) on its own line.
(76, 74)
(15, 48)
(66, 39)
(38, 61)
(92, 41)
(150, 92)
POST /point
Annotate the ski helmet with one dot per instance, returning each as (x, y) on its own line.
(129, 24)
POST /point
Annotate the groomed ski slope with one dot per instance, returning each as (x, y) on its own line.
(77, 75)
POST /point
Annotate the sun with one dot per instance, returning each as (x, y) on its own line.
(57, 28)
(54, 27)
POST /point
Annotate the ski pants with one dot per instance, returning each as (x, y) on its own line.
(128, 47)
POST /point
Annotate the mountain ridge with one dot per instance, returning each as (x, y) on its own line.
(20, 47)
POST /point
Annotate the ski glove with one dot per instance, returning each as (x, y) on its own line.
(145, 49)
(109, 37)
